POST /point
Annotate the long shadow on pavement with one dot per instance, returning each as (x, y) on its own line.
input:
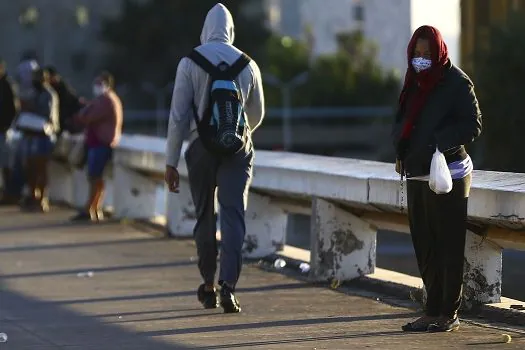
(38, 227)
(54, 327)
(285, 323)
(305, 339)
(180, 263)
(285, 286)
(77, 245)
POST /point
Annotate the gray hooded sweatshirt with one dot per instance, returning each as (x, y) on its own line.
(192, 83)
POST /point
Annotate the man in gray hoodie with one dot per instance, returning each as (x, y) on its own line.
(230, 175)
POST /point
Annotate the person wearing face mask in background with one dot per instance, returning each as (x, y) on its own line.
(437, 109)
(102, 119)
(69, 102)
(38, 122)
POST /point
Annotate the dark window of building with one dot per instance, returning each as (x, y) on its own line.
(29, 54)
(359, 13)
(79, 61)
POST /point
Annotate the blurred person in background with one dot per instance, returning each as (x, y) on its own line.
(438, 109)
(38, 123)
(102, 119)
(9, 106)
(24, 80)
(69, 102)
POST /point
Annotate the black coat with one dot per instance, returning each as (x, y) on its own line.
(69, 105)
(450, 119)
(8, 109)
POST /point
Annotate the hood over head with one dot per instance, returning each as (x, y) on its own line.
(426, 80)
(218, 26)
(438, 47)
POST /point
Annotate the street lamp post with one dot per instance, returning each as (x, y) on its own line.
(286, 93)
(163, 91)
(152, 89)
(160, 95)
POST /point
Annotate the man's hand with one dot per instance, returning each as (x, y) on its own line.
(171, 176)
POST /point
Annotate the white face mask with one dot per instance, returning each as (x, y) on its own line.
(421, 64)
(98, 90)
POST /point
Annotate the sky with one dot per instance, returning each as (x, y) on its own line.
(444, 15)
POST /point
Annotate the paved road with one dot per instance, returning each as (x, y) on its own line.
(141, 296)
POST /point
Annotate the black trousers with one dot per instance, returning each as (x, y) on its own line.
(438, 226)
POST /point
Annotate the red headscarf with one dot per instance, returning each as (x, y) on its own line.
(427, 79)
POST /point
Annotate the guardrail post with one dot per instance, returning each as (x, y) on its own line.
(343, 246)
(483, 271)
(61, 187)
(108, 190)
(134, 194)
(80, 188)
(180, 211)
(265, 227)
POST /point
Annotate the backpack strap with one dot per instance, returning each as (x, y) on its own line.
(209, 68)
(203, 62)
(239, 65)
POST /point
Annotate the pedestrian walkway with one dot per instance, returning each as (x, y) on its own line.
(120, 286)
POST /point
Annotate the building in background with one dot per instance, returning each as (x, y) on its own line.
(59, 32)
(477, 16)
(66, 33)
(389, 23)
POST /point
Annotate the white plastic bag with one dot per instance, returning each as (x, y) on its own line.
(33, 122)
(440, 180)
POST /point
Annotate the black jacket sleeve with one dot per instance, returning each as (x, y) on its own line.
(465, 124)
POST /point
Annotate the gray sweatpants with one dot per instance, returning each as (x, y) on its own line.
(231, 177)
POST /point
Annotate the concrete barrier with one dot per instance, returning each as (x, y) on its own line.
(348, 200)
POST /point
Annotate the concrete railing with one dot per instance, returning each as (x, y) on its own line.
(348, 200)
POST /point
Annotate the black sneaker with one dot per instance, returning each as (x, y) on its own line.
(444, 325)
(208, 299)
(229, 302)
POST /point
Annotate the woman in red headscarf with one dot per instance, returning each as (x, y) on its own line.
(437, 109)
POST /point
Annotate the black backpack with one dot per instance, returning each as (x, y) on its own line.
(223, 129)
